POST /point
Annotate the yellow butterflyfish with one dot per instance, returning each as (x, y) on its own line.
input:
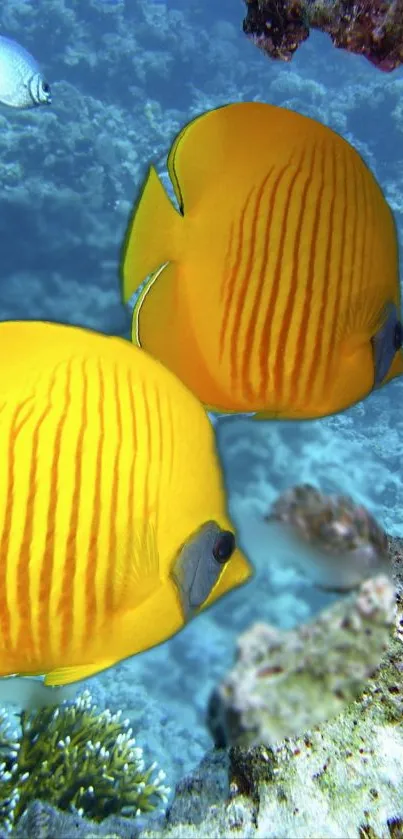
(274, 288)
(113, 522)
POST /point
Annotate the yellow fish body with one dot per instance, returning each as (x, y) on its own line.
(275, 287)
(108, 476)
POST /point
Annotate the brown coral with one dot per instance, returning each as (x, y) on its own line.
(372, 28)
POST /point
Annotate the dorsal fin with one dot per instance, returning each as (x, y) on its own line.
(198, 151)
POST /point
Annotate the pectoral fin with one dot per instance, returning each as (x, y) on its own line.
(138, 578)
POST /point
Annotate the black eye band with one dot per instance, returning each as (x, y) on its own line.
(224, 547)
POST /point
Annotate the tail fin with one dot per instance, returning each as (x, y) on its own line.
(153, 235)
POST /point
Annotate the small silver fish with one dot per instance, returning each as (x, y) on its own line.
(22, 84)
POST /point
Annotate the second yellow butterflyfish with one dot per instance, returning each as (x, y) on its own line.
(274, 288)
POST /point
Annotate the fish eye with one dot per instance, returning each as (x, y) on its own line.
(224, 546)
(46, 87)
(398, 336)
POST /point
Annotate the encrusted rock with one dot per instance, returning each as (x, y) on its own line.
(373, 28)
(285, 682)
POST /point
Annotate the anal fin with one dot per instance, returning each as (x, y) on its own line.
(76, 673)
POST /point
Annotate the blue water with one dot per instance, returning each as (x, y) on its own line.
(125, 77)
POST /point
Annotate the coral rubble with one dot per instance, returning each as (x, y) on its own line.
(373, 28)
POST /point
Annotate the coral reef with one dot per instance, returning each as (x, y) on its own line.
(373, 28)
(79, 760)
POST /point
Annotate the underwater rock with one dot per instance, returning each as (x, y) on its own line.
(285, 682)
(372, 28)
(342, 778)
(276, 26)
(200, 790)
(43, 821)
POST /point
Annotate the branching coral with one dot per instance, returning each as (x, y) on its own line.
(76, 759)
(9, 748)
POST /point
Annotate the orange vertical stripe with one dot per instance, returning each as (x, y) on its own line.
(66, 602)
(130, 497)
(148, 454)
(261, 277)
(92, 555)
(295, 285)
(275, 284)
(18, 421)
(110, 599)
(227, 266)
(317, 361)
(233, 278)
(237, 352)
(46, 569)
(364, 225)
(336, 314)
(311, 290)
(161, 464)
(24, 568)
(351, 257)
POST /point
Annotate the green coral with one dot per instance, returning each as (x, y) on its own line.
(9, 747)
(77, 759)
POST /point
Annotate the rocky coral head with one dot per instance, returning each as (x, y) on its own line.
(283, 683)
(372, 28)
(277, 27)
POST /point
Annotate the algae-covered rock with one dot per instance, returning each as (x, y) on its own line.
(285, 682)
